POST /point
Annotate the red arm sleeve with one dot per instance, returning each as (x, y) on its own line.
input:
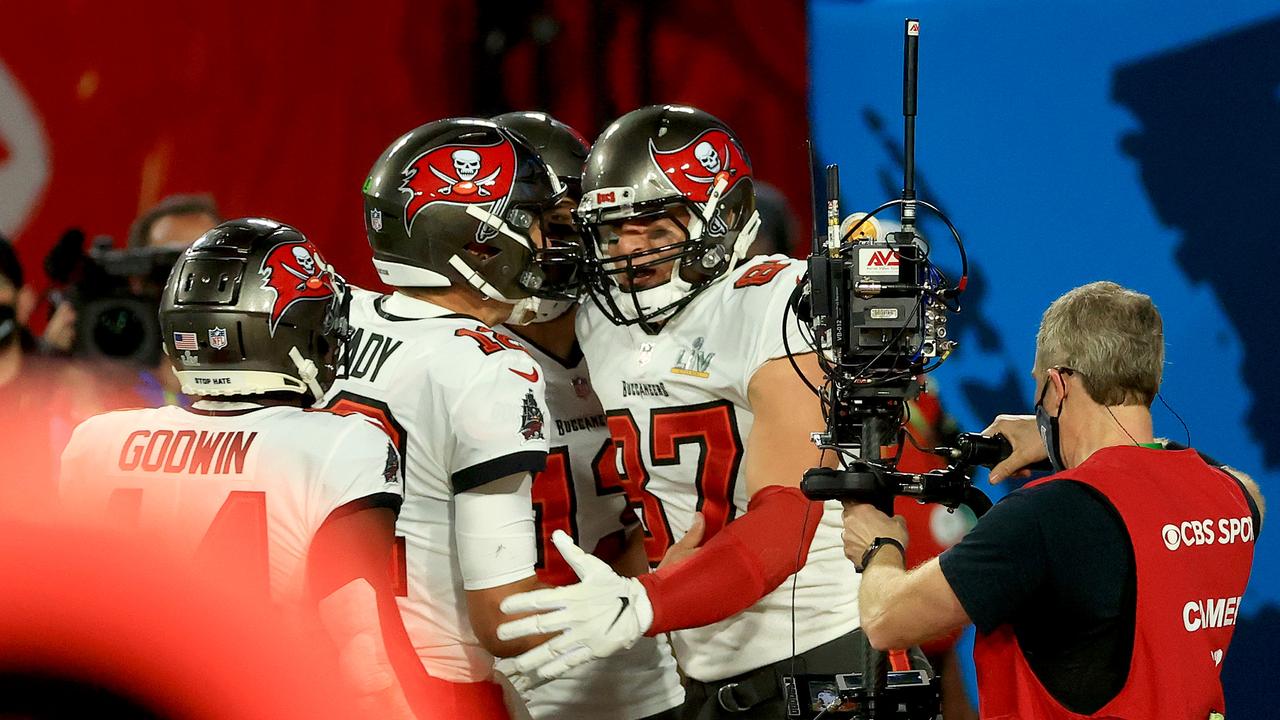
(745, 561)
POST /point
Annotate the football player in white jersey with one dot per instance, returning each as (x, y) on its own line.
(687, 346)
(298, 504)
(452, 213)
(580, 492)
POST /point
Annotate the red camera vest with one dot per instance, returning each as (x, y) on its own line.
(1193, 539)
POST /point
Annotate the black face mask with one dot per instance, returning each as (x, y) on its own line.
(8, 326)
(1048, 426)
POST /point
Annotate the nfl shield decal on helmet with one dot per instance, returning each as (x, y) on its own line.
(375, 219)
(217, 338)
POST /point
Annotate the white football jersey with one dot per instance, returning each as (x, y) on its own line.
(464, 404)
(266, 477)
(579, 492)
(676, 404)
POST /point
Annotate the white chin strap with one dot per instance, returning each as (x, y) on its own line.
(474, 279)
(214, 382)
(471, 275)
(537, 310)
(308, 371)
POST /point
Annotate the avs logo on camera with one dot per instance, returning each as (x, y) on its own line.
(878, 261)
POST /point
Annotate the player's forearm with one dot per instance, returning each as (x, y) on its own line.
(355, 618)
(486, 616)
(416, 688)
(752, 555)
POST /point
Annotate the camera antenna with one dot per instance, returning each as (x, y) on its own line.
(910, 76)
(813, 195)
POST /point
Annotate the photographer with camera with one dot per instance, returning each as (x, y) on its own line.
(16, 302)
(40, 396)
(107, 298)
(1111, 587)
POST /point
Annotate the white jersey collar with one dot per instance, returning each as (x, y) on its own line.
(222, 405)
(402, 305)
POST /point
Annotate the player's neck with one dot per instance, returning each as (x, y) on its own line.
(554, 336)
(462, 300)
(10, 362)
(167, 378)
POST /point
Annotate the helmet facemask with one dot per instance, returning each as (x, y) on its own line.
(697, 260)
(554, 276)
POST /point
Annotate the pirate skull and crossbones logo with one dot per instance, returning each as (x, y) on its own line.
(466, 165)
(710, 160)
(307, 270)
(706, 162)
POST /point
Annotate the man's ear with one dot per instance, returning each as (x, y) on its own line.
(25, 304)
(1059, 381)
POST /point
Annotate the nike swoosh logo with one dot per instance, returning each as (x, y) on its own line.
(531, 376)
(626, 601)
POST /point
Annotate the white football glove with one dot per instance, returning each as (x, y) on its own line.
(601, 615)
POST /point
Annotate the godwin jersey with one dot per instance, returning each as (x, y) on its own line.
(574, 494)
(676, 404)
(464, 404)
(264, 477)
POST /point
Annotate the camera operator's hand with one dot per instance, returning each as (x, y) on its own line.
(60, 332)
(1024, 437)
(863, 523)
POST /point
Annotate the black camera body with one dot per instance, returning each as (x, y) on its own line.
(877, 305)
(116, 296)
(885, 281)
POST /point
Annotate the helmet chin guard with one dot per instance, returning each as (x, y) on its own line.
(532, 310)
(661, 303)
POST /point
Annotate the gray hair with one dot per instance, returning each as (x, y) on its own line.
(1113, 337)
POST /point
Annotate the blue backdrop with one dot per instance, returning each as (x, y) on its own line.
(1076, 141)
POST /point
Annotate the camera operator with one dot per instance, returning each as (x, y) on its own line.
(40, 402)
(16, 302)
(175, 221)
(1110, 587)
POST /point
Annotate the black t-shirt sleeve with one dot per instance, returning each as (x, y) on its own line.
(997, 568)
